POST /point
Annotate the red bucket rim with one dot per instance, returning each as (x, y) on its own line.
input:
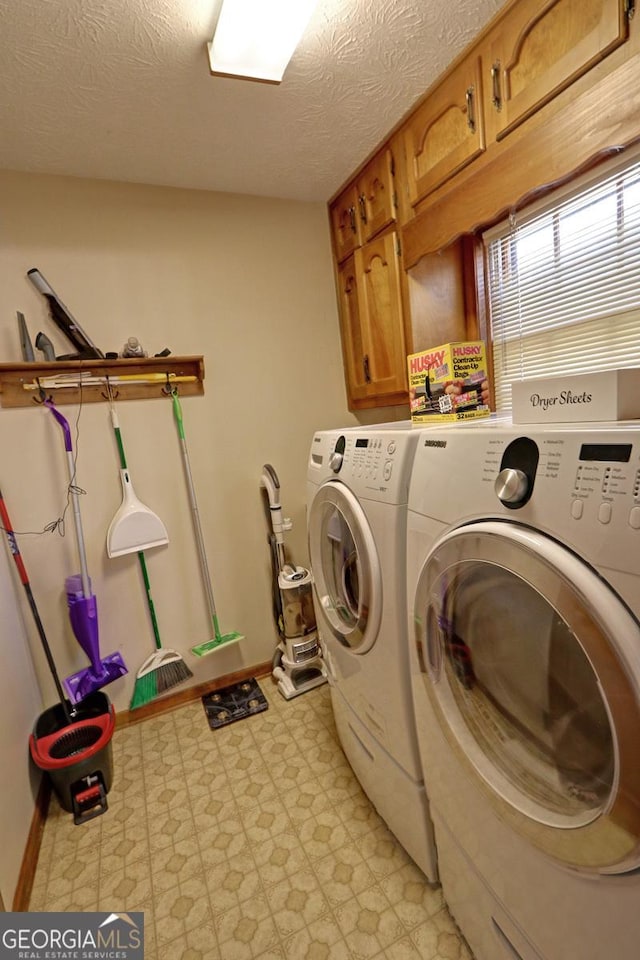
(41, 747)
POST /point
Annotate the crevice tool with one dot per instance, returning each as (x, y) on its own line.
(25, 340)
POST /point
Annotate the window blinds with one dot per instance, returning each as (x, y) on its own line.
(564, 282)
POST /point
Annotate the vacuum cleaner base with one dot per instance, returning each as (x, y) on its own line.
(296, 678)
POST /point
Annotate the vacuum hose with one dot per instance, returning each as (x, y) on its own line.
(269, 480)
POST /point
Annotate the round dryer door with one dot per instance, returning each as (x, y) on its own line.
(345, 567)
(532, 666)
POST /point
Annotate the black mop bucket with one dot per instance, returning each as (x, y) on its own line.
(77, 756)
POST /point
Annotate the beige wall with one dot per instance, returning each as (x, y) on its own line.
(247, 283)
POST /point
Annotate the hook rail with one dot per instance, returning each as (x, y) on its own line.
(22, 384)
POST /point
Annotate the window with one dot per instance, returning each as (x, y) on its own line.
(564, 282)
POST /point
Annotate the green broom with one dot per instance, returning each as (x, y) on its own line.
(164, 668)
(219, 639)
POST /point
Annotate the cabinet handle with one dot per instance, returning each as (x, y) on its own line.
(365, 367)
(629, 8)
(352, 218)
(471, 118)
(496, 98)
(363, 208)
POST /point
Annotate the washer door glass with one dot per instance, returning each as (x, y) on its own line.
(345, 567)
(532, 667)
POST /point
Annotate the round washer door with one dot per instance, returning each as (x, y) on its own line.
(532, 665)
(345, 566)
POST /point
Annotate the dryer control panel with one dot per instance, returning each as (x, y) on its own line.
(514, 484)
(607, 477)
(579, 483)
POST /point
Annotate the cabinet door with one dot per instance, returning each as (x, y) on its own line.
(376, 195)
(447, 131)
(355, 366)
(541, 47)
(345, 223)
(380, 304)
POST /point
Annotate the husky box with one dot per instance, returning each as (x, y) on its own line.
(449, 383)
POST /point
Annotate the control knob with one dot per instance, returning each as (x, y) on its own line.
(336, 457)
(335, 461)
(511, 485)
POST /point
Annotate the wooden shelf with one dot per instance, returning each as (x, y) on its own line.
(19, 381)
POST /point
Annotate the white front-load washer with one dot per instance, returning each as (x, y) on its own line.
(523, 585)
(358, 482)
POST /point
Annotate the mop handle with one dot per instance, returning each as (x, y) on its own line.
(141, 558)
(17, 556)
(66, 429)
(206, 576)
(64, 423)
(75, 500)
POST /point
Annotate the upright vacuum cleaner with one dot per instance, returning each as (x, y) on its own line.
(297, 663)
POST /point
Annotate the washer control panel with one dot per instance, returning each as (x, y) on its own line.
(372, 458)
(374, 463)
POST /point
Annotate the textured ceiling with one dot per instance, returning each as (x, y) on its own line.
(121, 90)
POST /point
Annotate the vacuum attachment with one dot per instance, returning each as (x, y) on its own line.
(25, 340)
(44, 344)
(63, 319)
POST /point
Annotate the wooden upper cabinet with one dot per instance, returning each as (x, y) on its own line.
(377, 267)
(376, 195)
(446, 132)
(365, 207)
(541, 47)
(354, 352)
(402, 205)
(345, 223)
(372, 328)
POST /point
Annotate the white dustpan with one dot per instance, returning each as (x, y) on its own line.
(134, 527)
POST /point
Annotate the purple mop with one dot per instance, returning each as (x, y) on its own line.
(83, 611)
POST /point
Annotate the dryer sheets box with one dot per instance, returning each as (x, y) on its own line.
(449, 383)
(575, 398)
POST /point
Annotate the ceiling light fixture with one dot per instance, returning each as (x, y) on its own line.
(255, 39)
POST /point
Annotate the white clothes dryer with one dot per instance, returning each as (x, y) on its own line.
(358, 482)
(523, 550)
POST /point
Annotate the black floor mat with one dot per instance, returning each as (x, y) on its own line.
(233, 703)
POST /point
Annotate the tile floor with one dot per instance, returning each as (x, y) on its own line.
(250, 842)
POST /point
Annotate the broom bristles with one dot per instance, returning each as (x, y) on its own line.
(158, 680)
(171, 674)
